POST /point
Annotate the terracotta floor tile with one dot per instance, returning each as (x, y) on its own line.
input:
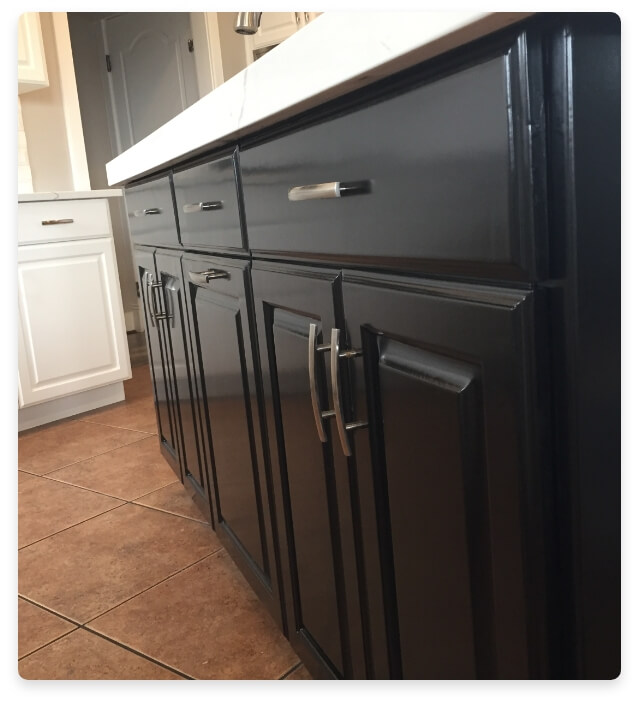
(174, 499)
(47, 449)
(84, 656)
(140, 385)
(127, 472)
(24, 477)
(37, 627)
(132, 415)
(207, 622)
(46, 507)
(301, 673)
(90, 568)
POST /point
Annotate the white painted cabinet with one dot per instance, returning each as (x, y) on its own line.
(32, 66)
(274, 28)
(72, 347)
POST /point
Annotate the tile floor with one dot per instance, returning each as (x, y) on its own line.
(120, 577)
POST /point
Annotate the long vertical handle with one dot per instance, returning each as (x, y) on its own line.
(156, 315)
(318, 414)
(148, 280)
(342, 427)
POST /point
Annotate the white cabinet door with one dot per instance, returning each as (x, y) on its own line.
(71, 332)
(32, 67)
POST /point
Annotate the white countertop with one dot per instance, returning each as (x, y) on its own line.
(69, 195)
(335, 54)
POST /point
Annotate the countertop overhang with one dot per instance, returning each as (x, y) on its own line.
(336, 54)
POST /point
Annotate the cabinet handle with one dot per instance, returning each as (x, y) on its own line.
(205, 206)
(156, 315)
(297, 17)
(334, 189)
(203, 277)
(306, 16)
(342, 427)
(148, 280)
(146, 211)
(61, 221)
(318, 414)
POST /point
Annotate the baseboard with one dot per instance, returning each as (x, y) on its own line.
(58, 408)
(133, 320)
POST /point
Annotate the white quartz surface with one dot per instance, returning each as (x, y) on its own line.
(69, 195)
(333, 55)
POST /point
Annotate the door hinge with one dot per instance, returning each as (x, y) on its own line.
(108, 62)
(190, 45)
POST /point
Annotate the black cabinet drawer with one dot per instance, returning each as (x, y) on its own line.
(446, 178)
(151, 213)
(207, 205)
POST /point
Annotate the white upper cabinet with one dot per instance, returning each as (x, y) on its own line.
(274, 28)
(32, 66)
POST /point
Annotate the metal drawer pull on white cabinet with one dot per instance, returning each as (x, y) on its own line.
(334, 189)
(318, 414)
(146, 211)
(203, 277)
(342, 427)
(60, 221)
(203, 207)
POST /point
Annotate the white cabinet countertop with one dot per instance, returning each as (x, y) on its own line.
(335, 54)
(69, 195)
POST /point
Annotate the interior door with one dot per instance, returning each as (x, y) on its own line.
(174, 331)
(218, 302)
(442, 382)
(297, 307)
(152, 74)
(158, 361)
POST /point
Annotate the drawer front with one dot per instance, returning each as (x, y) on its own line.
(63, 220)
(151, 214)
(434, 176)
(207, 205)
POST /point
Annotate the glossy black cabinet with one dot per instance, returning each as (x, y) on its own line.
(297, 307)
(171, 361)
(221, 318)
(369, 330)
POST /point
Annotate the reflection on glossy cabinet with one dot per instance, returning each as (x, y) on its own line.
(32, 66)
(71, 332)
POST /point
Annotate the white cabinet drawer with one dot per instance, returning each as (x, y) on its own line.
(88, 218)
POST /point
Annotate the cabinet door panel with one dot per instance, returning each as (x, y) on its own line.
(167, 421)
(71, 334)
(442, 382)
(223, 348)
(175, 333)
(320, 573)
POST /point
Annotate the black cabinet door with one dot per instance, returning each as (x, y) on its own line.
(442, 381)
(173, 329)
(311, 478)
(158, 360)
(219, 300)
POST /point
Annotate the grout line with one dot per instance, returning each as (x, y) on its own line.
(164, 579)
(77, 486)
(99, 454)
(118, 427)
(148, 493)
(51, 642)
(49, 609)
(170, 513)
(79, 523)
(291, 671)
(161, 664)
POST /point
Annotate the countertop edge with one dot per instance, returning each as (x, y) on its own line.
(69, 195)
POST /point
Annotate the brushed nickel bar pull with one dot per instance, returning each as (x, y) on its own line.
(334, 189)
(204, 206)
(318, 414)
(61, 221)
(342, 427)
(203, 277)
(156, 315)
(148, 280)
(146, 211)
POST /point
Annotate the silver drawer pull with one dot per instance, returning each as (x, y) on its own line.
(146, 211)
(334, 189)
(318, 414)
(203, 277)
(206, 206)
(342, 427)
(61, 221)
